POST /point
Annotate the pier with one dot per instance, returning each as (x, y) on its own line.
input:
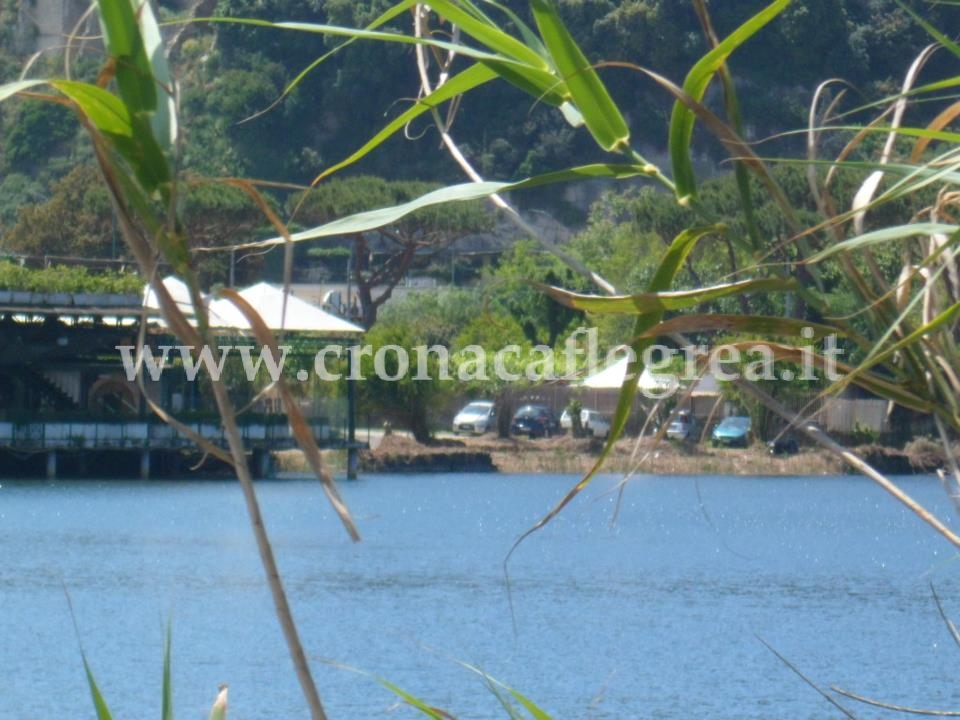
(67, 408)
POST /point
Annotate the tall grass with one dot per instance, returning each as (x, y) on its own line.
(130, 118)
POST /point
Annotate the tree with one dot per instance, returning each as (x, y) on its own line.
(38, 132)
(423, 319)
(17, 190)
(382, 258)
(76, 221)
(543, 320)
(216, 216)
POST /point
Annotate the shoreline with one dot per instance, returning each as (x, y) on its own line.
(400, 454)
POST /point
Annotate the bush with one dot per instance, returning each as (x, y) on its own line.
(925, 455)
(66, 279)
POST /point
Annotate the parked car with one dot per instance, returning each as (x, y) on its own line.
(476, 418)
(592, 421)
(783, 445)
(595, 423)
(731, 431)
(535, 421)
(681, 428)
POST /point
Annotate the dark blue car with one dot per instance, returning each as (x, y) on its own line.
(535, 421)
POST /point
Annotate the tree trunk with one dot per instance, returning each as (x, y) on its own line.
(368, 309)
(576, 426)
(505, 405)
(419, 427)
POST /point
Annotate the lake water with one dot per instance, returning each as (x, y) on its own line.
(655, 616)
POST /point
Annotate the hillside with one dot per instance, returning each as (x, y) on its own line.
(232, 76)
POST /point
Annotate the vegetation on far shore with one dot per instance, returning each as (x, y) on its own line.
(399, 453)
(67, 279)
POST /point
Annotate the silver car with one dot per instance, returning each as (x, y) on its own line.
(476, 418)
(680, 429)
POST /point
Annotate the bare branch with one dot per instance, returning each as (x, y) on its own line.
(895, 708)
(943, 614)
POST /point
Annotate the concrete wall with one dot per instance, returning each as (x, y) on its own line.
(45, 25)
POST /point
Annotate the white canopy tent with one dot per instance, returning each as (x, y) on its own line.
(297, 315)
(612, 377)
(177, 289)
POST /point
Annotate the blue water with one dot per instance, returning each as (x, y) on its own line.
(655, 616)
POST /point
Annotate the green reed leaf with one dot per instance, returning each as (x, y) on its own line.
(415, 702)
(888, 234)
(388, 36)
(759, 324)
(535, 711)
(124, 43)
(163, 120)
(482, 29)
(372, 219)
(529, 37)
(8, 90)
(600, 113)
(643, 335)
(530, 73)
(497, 687)
(472, 77)
(683, 119)
(880, 386)
(99, 704)
(930, 28)
(649, 302)
(166, 710)
(103, 109)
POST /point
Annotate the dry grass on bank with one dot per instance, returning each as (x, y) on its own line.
(397, 453)
(569, 455)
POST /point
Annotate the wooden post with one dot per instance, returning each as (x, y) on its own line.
(52, 465)
(262, 463)
(145, 464)
(353, 457)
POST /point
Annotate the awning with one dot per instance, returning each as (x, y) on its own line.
(612, 376)
(297, 316)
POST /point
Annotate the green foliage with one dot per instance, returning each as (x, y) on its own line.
(217, 712)
(218, 98)
(543, 321)
(16, 191)
(391, 228)
(419, 319)
(229, 72)
(67, 279)
(37, 131)
(338, 198)
(862, 435)
(76, 221)
(217, 215)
